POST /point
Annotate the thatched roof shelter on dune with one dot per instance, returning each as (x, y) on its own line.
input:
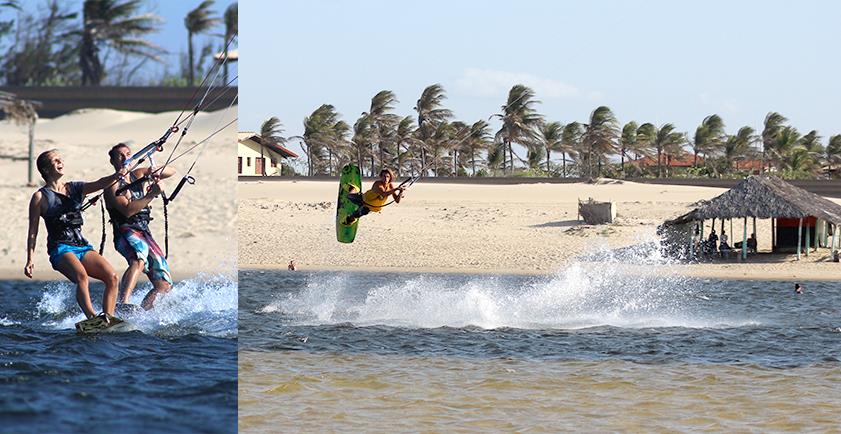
(794, 212)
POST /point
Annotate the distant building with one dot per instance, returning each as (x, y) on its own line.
(682, 162)
(257, 158)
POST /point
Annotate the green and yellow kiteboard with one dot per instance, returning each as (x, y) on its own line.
(350, 177)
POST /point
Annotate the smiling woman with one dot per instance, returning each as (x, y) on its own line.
(60, 203)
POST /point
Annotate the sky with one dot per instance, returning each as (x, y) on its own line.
(649, 61)
(172, 35)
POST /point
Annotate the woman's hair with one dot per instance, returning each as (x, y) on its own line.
(43, 162)
(387, 170)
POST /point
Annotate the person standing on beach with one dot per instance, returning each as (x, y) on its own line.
(375, 198)
(60, 205)
(130, 215)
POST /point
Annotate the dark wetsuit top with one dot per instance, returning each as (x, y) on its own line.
(139, 220)
(63, 217)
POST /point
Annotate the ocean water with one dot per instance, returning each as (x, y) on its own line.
(576, 350)
(175, 373)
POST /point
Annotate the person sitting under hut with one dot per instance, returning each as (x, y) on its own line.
(752, 243)
(724, 247)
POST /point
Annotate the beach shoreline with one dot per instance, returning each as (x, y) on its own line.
(524, 229)
(694, 271)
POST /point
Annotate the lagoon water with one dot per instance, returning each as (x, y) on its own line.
(573, 351)
(175, 373)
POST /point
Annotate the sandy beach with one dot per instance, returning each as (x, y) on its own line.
(524, 228)
(201, 219)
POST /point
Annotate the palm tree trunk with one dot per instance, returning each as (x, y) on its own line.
(659, 163)
(511, 155)
(398, 160)
(548, 156)
(564, 156)
(31, 174)
(622, 164)
(190, 56)
(473, 160)
(423, 162)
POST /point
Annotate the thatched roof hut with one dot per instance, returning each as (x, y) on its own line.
(764, 197)
(795, 213)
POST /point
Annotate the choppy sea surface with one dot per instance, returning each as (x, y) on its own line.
(176, 373)
(574, 351)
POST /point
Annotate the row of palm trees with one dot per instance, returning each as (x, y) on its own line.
(431, 142)
(44, 50)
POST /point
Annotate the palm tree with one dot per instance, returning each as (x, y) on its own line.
(270, 133)
(405, 137)
(430, 114)
(812, 143)
(199, 20)
(667, 140)
(115, 24)
(833, 152)
(787, 140)
(570, 142)
(520, 121)
(383, 122)
(231, 19)
(6, 26)
(320, 135)
(23, 112)
(363, 136)
(600, 136)
(738, 146)
(709, 137)
(478, 139)
(772, 127)
(627, 141)
(551, 137)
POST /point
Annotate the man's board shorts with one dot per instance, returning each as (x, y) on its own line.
(61, 249)
(137, 244)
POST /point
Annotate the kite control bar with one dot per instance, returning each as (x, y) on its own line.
(151, 148)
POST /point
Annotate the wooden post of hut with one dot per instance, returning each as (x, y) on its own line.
(745, 241)
(754, 234)
(832, 246)
(808, 243)
(701, 240)
(773, 236)
(799, 236)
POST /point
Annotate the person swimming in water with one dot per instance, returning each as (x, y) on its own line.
(60, 204)
(375, 198)
(130, 215)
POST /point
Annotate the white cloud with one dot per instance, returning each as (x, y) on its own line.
(726, 105)
(492, 83)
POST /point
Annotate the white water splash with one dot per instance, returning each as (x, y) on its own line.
(5, 322)
(204, 305)
(582, 295)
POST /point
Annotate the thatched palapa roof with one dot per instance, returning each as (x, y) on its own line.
(764, 197)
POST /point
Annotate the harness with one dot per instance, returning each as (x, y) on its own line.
(63, 217)
(139, 220)
(404, 185)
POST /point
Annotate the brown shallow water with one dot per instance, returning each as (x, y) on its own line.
(296, 391)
